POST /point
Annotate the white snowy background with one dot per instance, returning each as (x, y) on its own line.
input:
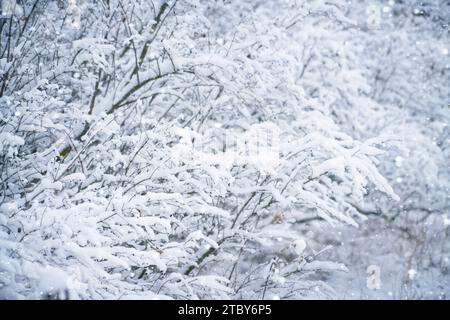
(204, 149)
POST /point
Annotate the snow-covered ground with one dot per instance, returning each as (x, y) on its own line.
(402, 264)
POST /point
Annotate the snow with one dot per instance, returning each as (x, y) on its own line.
(227, 150)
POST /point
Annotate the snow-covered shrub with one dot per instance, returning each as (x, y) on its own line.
(127, 147)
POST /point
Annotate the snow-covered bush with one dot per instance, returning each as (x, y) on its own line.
(129, 165)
